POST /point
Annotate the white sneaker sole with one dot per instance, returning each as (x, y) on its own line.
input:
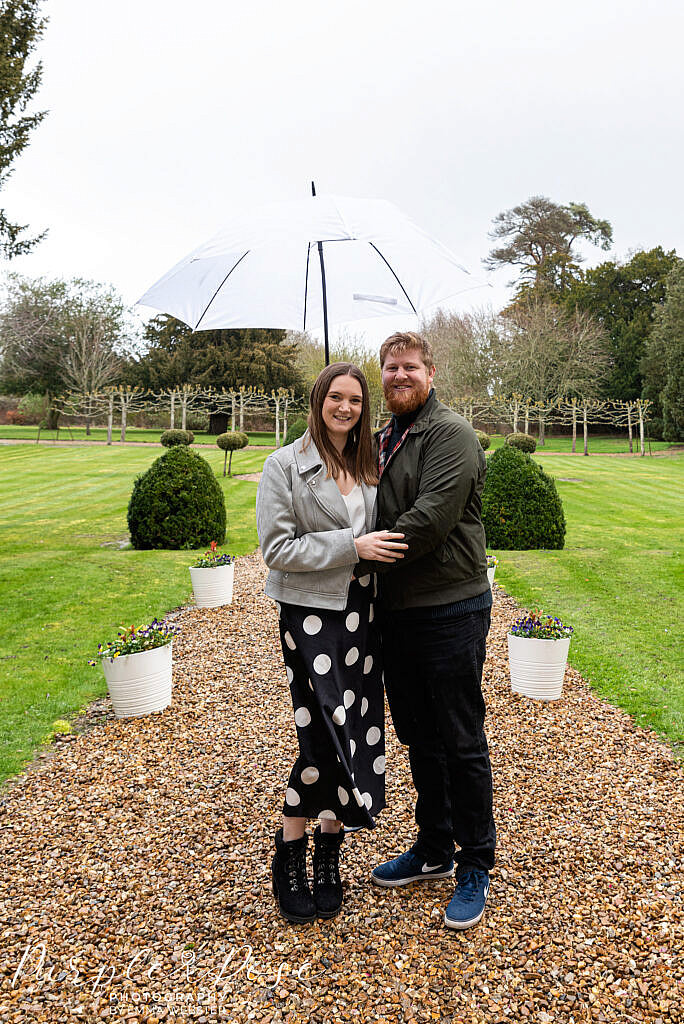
(461, 926)
(427, 877)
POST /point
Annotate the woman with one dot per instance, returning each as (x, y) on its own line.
(315, 512)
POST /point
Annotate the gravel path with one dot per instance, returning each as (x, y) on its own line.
(137, 853)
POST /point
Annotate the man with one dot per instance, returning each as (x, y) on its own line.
(435, 609)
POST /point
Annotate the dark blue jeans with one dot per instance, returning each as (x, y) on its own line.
(433, 678)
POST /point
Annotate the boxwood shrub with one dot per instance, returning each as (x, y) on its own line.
(296, 429)
(231, 442)
(171, 438)
(523, 442)
(484, 439)
(177, 503)
(521, 508)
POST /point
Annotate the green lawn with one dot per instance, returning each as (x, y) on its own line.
(67, 583)
(598, 445)
(138, 434)
(68, 580)
(618, 581)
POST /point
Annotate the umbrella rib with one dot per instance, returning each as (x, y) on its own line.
(219, 289)
(306, 282)
(394, 276)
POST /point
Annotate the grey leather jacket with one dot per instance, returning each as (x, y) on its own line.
(304, 531)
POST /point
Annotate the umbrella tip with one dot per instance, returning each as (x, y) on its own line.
(313, 189)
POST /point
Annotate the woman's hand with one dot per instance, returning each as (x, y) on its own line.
(380, 546)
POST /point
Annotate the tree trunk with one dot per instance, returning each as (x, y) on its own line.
(641, 428)
(574, 428)
(184, 410)
(629, 428)
(230, 463)
(586, 430)
(52, 415)
(516, 409)
(124, 414)
(285, 402)
(527, 420)
(89, 415)
(541, 430)
(242, 414)
(173, 410)
(110, 419)
(232, 413)
(225, 460)
(277, 423)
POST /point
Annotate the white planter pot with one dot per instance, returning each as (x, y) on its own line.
(139, 683)
(213, 587)
(490, 575)
(537, 666)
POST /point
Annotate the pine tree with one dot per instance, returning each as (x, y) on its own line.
(20, 29)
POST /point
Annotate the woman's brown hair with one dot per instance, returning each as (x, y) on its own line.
(357, 457)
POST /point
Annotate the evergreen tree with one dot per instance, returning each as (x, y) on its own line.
(20, 28)
(623, 297)
(663, 364)
(540, 236)
(177, 355)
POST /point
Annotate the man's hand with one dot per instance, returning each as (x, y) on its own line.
(380, 546)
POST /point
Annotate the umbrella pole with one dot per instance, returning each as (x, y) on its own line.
(325, 294)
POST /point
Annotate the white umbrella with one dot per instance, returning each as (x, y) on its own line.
(308, 263)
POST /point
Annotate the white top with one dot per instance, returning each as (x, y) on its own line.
(356, 507)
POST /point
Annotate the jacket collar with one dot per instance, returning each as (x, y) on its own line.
(306, 458)
(309, 458)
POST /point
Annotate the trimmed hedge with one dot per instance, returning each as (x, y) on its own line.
(295, 430)
(484, 439)
(171, 438)
(231, 441)
(177, 503)
(521, 508)
(523, 442)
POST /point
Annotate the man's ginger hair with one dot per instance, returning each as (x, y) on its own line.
(405, 342)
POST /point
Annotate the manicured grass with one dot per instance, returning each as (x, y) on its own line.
(66, 582)
(137, 434)
(618, 581)
(598, 445)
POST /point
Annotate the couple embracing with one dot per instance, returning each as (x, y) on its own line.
(377, 561)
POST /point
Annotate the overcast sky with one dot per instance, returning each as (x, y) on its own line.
(165, 118)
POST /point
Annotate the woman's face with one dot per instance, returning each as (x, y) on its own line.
(342, 406)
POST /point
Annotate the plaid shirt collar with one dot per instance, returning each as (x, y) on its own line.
(384, 454)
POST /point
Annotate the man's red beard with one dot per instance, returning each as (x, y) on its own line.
(402, 402)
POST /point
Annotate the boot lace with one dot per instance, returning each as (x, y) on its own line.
(326, 866)
(296, 869)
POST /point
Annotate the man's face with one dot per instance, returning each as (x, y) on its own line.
(406, 381)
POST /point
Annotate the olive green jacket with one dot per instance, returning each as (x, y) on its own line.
(431, 491)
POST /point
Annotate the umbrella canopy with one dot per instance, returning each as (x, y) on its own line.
(263, 268)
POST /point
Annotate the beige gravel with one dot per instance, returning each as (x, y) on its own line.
(136, 861)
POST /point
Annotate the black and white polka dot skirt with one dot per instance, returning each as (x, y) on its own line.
(332, 660)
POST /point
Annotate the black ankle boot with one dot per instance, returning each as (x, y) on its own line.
(327, 885)
(290, 884)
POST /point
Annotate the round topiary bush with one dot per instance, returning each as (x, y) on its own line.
(484, 439)
(295, 430)
(171, 438)
(523, 442)
(177, 503)
(521, 508)
(231, 441)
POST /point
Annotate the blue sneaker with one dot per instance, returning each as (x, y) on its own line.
(410, 868)
(468, 902)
